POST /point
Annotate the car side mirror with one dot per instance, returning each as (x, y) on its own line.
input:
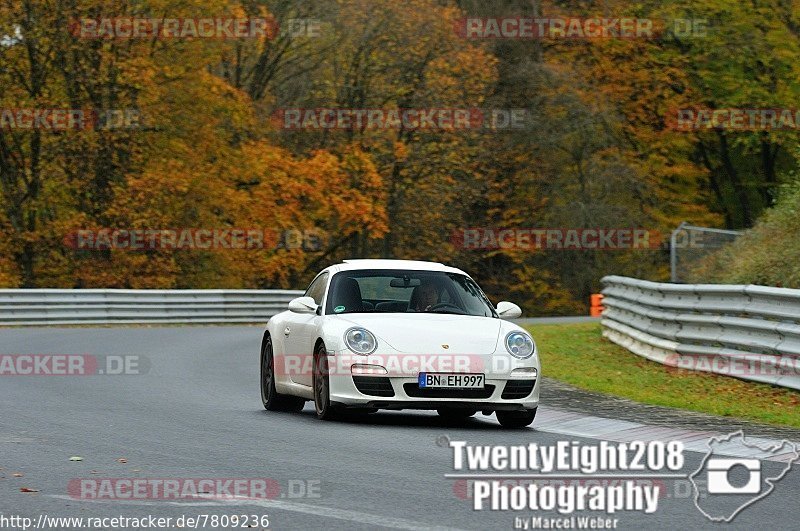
(508, 310)
(303, 305)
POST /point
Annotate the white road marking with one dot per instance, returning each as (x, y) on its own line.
(327, 512)
(552, 420)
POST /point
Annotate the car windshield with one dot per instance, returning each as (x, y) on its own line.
(402, 291)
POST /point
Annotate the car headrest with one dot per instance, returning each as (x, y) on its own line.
(348, 294)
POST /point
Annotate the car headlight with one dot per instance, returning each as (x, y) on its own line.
(360, 341)
(520, 345)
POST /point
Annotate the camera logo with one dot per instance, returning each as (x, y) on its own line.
(724, 486)
(720, 472)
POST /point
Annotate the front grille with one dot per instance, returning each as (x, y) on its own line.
(516, 389)
(414, 390)
(373, 386)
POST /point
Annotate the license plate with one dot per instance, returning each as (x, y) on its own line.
(439, 380)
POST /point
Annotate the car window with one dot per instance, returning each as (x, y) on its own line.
(316, 290)
(401, 291)
(380, 288)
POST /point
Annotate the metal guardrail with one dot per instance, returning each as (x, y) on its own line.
(115, 306)
(746, 331)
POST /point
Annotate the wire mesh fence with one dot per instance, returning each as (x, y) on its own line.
(689, 245)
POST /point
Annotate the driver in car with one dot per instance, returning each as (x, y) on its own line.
(426, 295)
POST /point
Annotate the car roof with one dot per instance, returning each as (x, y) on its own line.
(412, 265)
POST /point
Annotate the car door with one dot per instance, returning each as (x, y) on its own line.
(300, 335)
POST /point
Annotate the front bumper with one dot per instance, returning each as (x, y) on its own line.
(383, 392)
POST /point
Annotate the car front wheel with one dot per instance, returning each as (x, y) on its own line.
(322, 391)
(269, 396)
(516, 419)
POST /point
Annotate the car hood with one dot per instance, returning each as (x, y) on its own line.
(427, 333)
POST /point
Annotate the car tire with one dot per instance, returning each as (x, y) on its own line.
(322, 390)
(455, 413)
(272, 400)
(516, 419)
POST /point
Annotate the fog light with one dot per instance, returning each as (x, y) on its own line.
(527, 372)
(365, 368)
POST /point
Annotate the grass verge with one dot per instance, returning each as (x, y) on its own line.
(579, 355)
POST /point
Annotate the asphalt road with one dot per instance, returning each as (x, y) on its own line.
(196, 413)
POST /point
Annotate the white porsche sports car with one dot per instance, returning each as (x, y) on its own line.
(399, 334)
